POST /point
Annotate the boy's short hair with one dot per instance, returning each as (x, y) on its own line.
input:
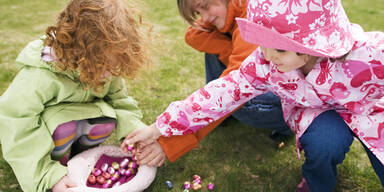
(186, 9)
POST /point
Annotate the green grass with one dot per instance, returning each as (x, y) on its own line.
(241, 160)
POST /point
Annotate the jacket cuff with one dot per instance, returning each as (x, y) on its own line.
(177, 146)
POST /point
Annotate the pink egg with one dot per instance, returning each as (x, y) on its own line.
(198, 181)
(130, 147)
(122, 171)
(111, 170)
(104, 166)
(132, 165)
(96, 172)
(187, 185)
(210, 186)
(107, 184)
(115, 177)
(128, 172)
(124, 163)
(196, 177)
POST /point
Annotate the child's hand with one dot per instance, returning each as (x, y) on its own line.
(145, 136)
(63, 185)
(152, 154)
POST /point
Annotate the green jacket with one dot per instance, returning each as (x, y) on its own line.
(37, 101)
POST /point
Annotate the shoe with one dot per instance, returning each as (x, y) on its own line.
(302, 186)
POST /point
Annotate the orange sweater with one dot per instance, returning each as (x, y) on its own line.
(231, 49)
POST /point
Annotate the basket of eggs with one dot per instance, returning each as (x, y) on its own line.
(108, 168)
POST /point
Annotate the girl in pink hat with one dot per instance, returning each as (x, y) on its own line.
(328, 73)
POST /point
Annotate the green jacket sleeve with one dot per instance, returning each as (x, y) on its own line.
(26, 141)
(127, 112)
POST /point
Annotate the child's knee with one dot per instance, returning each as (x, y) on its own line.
(65, 131)
(63, 137)
(326, 150)
(95, 132)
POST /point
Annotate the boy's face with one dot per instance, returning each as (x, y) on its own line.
(286, 61)
(213, 11)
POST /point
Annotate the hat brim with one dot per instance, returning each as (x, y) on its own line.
(265, 37)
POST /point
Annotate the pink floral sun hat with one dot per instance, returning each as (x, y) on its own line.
(315, 27)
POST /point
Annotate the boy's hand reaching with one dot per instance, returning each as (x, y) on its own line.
(152, 154)
(145, 136)
(63, 185)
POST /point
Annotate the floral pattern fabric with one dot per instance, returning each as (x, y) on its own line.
(315, 27)
(353, 87)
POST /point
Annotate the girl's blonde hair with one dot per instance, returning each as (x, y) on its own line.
(97, 38)
(187, 11)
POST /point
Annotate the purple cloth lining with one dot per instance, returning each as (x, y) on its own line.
(110, 159)
(48, 55)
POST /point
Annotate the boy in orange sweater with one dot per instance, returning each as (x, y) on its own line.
(214, 31)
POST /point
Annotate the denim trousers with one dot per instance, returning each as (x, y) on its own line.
(263, 111)
(325, 143)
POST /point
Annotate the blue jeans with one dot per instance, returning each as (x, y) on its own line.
(262, 111)
(325, 143)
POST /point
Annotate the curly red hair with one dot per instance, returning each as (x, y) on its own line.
(97, 38)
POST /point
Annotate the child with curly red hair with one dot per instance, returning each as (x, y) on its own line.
(70, 93)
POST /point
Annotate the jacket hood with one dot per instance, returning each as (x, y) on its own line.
(31, 55)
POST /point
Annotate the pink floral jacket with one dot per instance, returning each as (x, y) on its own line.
(353, 87)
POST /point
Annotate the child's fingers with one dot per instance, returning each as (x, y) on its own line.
(161, 162)
(123, 146)
(140, 146)
(146, 142)
(147, 158)
(147, 155)
(143, 154)
(69, 183)
(133, 137)
(145, 151)
(141, 143)
(157, 161)
(153, 155)
(139, 135)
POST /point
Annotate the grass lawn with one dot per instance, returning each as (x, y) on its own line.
(242, 160)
